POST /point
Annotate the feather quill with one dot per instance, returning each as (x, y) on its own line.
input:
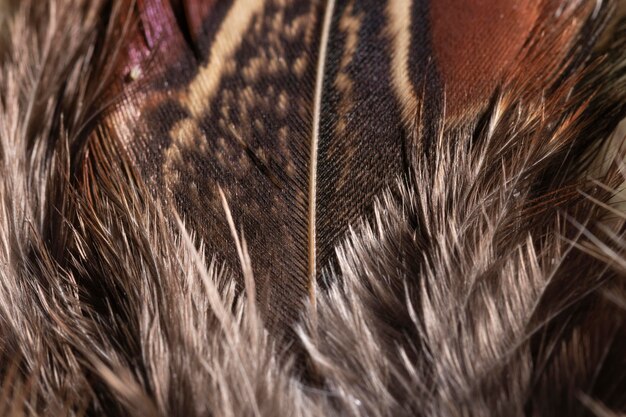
(317, 110)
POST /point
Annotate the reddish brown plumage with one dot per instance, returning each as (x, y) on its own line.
(474, 43)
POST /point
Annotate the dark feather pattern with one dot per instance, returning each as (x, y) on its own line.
(354, 207)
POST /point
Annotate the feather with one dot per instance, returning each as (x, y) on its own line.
(437, 177)
(258, 116)
(266, 103)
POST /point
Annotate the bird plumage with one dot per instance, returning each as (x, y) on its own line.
(167, 169)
